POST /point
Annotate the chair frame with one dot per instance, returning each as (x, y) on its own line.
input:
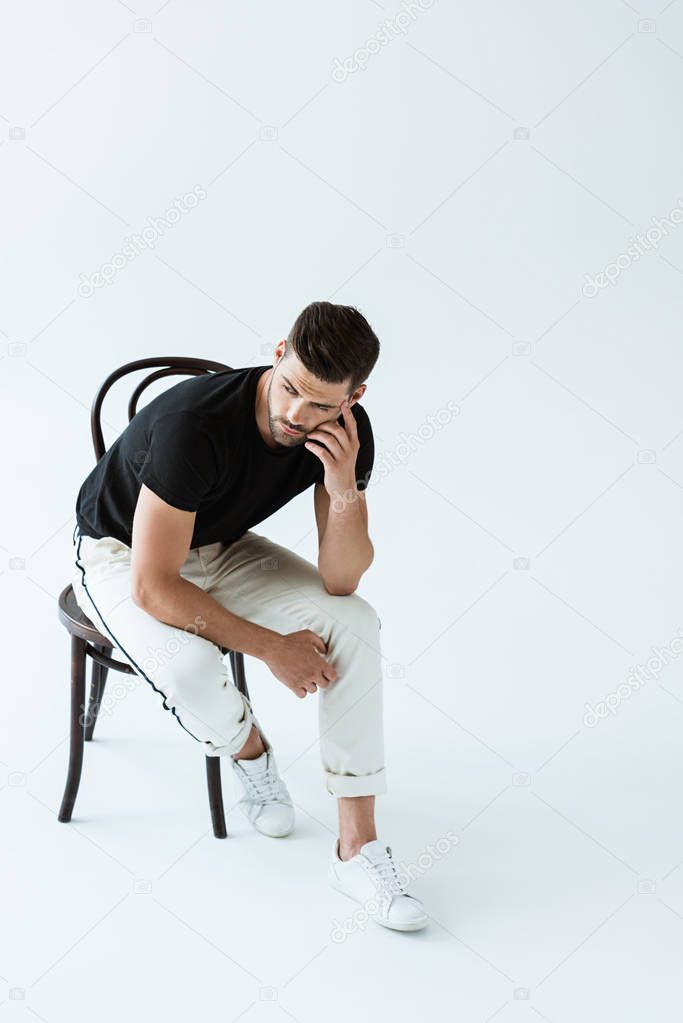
(88, 642)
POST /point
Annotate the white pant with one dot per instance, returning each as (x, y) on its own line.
(267, 584)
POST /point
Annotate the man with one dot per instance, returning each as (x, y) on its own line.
(168, 566)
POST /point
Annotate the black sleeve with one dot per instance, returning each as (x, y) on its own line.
(180, 464)
(365, 459)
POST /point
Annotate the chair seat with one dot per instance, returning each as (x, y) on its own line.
(76, 621)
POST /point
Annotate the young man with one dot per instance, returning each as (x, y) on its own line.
(168, 566)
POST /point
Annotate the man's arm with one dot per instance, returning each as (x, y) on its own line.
(345, 550)
(161, 541)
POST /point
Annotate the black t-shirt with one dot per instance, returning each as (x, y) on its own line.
(198, 447)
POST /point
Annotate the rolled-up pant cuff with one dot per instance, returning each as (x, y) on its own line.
(212, 749)
(356, 785)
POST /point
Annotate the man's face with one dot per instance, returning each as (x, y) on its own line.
(300, 401)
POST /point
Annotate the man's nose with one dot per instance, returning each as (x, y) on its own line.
(295, 417)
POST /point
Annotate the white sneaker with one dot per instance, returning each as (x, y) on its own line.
(265, 799)
(371, 878)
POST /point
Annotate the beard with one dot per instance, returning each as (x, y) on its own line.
(281, 437)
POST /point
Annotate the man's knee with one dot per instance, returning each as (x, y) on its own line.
(352, 612)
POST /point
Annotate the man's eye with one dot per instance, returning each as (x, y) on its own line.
(290, 390)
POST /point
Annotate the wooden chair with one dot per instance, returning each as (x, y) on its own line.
(88, 642)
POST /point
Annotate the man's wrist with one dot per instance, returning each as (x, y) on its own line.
(265, 643)
(346, 492)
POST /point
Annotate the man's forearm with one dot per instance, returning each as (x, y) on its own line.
(346, 550)
(180, 603)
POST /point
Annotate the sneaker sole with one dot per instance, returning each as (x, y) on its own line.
(268, 834)
(272, 834)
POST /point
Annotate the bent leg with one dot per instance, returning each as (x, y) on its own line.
(185, 669)
(276, 588)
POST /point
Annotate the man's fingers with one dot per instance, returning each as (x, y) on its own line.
(318, 643)
(328, 671)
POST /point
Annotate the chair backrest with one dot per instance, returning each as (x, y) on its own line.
(171, 365)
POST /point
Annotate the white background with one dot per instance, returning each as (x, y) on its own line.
(457, 189)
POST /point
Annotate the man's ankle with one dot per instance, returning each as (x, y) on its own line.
(253, 748)
(349, 847)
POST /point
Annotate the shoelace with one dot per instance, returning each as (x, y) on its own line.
(385, 876)
(263, 787)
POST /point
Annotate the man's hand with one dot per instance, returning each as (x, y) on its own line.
(338, 455)
(296, 659)
(344, 547)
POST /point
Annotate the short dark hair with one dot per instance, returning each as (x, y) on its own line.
(334, 343)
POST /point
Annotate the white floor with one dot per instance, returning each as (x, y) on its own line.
(552, 891)
(462, 188)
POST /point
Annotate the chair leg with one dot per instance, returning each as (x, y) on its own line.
(77, 728)
(213, 777)
(213, 764)
(97, 684)
(238, 672)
